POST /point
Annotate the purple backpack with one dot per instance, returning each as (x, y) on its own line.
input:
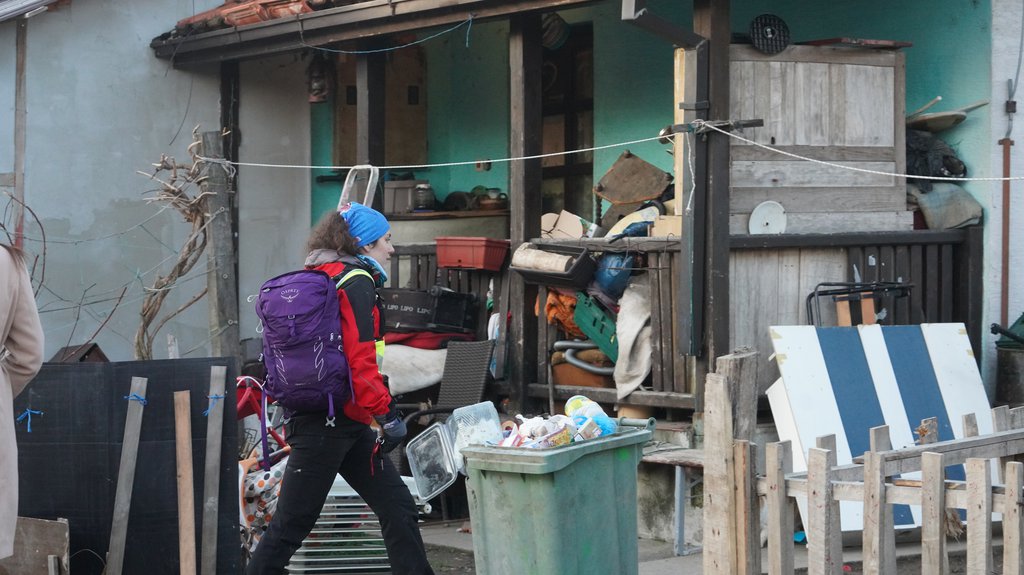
(302, 350)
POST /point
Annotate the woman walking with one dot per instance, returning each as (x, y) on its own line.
(352, 244)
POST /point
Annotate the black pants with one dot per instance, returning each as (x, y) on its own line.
(318, 454)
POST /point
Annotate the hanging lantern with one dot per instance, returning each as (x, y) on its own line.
(319, 78)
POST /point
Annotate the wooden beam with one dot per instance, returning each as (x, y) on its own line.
(20, 120)
(222, 260)
(524, 49)
(609, 395)
(211, 473)
(353, 22)
(125, 477)
(711, 20)
(186, 495)
(916, 238)
(370, 112)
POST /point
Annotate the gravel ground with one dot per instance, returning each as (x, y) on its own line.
(449, 560)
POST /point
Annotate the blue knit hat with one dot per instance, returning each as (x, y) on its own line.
(366, 225)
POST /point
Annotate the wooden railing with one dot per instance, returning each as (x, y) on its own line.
(732, 487)
(943, 266)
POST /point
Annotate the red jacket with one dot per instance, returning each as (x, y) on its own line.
(360, 328)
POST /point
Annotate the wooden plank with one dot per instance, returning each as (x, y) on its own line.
(186, 503)
(824, 542)
(211, 474)
(931, 282)
(844, 153)
(20, 128)
(946, 291)
(843, 317)
(719, 552)
(125, 478)
(901, 273)
(544, 347)
(665, 311)
(917, 311)
(609, 395)
(802, 174)
(826, 54)
(740, 371)
(818, 199)
(823, 241)
(933, 514)
(879, 535)
(680, 339)
(748, 515)
(658, 329)
(838, 222)
(970, 425)
(979, 516)
(1013, 520)
(40, 546)
(812, 100)
(779, 462)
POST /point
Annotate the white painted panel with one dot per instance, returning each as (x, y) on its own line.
(811, 399)
(957, 375)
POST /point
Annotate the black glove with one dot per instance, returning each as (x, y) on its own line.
(392, 429)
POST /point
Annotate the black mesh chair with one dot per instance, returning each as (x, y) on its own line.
(467, 369)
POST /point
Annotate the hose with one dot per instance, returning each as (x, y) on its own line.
(570, 347)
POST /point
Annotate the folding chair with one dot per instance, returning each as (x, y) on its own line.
(844, 294)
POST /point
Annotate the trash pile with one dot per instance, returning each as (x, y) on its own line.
(584, 419)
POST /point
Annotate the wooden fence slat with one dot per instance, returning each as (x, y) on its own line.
(979, 516)
(779, 462)
(878, 532)
(970, 425)
(824, 541)
(748, 515)
(740, 371)
(126, 477)
(719, 551)
(211, 477)
(1013, 520)
(665, 311)
(933, 514)
(1017, 417)
(186, 497)
(657, 328)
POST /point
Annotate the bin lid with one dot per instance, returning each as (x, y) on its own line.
(549, 460)
(431, 459)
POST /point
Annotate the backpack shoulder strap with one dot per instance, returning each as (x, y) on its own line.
(340, 281)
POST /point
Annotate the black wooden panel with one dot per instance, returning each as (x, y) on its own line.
(68, 464)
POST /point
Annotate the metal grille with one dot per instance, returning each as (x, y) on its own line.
(769, 34)
(346, 539)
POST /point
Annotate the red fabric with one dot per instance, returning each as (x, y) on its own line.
(424, 339)
(370, 395)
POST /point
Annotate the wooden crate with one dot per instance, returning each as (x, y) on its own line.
(840, 105)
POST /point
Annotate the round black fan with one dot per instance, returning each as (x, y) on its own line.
(769, 34)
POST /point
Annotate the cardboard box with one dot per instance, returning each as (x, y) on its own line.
(667, 227)
(400, 196)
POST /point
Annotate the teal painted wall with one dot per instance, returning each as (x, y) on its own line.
(323, 197)
(468, 86)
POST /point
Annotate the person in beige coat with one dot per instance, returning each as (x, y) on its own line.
(21, 355)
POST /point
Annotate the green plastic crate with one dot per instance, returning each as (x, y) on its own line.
(562, 510)
(597, 325)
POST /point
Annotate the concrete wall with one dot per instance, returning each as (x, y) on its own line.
(273, 203)
(100, 107)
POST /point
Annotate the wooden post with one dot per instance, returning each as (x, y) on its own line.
(970, 425)
(186, 502)
(779, 462)
(719, 552)
(1013, 520)
(211, 479)
(221, 281)
(879, 536)
(711, 20)
(740, 369)
(824, 541)
(20, 123)
(979, 516)
(748, 515)
(933, 514)
(525, 61)
(125, 478)
(370, 115)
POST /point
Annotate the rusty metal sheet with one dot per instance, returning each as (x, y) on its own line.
(631, 179)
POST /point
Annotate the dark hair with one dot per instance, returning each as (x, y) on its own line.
(15, 251)
(331, 233)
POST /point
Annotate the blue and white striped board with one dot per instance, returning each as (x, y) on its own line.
(843, 381)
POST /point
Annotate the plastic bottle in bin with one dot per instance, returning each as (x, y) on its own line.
(581, 408)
